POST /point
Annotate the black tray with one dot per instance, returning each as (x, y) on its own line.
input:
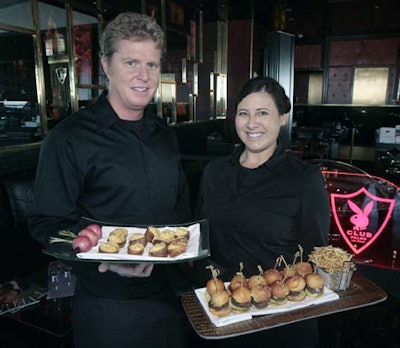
(64, 251)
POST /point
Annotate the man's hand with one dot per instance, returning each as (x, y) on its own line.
(127, 269)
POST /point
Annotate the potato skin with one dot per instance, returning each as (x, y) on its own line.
(158, 250)
(81, 244)
(108, 248)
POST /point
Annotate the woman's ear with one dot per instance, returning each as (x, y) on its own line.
(283, 119)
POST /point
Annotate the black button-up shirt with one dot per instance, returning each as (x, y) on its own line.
(256, 215)
(96, 166)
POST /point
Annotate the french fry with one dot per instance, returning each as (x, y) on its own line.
(330, 258)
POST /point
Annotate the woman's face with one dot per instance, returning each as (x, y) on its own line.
(133, 72)
(258, 122)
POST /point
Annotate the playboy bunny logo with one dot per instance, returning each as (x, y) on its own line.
(360, 220)
(359, 226)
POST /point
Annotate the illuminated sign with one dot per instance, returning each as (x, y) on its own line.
(363, 207)
(354, 221)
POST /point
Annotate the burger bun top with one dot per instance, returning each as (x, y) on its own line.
(219, 298)
(215, 286)
(241, 295)
(279, 289)
(304, 268)
(314, 281)
(296, 283)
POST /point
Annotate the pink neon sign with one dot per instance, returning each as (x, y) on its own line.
(354, 224)
(365, 211)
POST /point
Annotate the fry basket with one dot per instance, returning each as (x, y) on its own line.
(338, 280)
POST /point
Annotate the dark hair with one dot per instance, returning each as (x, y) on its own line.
(265, 84)
(130, 26)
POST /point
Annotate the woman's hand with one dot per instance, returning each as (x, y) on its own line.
(128, 270)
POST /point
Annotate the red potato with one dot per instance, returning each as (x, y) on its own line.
(96, 229)
(89, 234)
(81, 244)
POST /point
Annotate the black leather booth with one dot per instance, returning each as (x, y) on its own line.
(20, 254)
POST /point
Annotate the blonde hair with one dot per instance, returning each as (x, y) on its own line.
(130, 26)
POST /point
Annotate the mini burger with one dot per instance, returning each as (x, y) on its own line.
(296, 285)
(214, 285)
(314, 285)
(256, 280)
(288, 271)
(272, 275)
(219, 303)
(279, 292)
(240, 300)
(304, 268)
(260, 296)
(238, 280)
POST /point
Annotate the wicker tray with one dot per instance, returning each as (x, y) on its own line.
(361, 293)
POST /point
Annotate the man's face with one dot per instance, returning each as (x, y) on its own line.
(133, 72)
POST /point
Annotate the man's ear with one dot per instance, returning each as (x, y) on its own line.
(104, 64)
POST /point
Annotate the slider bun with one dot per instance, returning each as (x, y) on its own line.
(240, 299)
(236, 282)
(314, 280)
(255, 280)
(220, 298)
(219, 304)
(296, 283)
(297, 297)
(289, 271)
(314, 285)
(260, 296)
(279, 292)
(241, 295)
(279, 289)
(214, 286)
(221, 312)
(271, 275)
(304, 268)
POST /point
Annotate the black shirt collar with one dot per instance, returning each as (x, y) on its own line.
(278, 155)
(106, 116)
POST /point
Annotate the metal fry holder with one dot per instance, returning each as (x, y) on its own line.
(339, 280)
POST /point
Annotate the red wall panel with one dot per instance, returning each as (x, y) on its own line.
(308, 56)
(367, 52)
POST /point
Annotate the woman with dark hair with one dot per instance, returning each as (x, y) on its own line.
(262, 203)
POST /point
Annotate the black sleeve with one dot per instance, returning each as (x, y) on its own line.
(56, 190)
(314, 216)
